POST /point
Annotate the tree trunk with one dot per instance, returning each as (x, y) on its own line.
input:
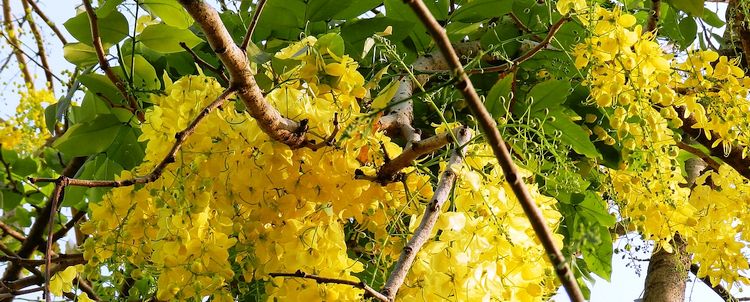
(667, 272)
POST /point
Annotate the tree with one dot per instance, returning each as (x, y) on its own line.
(329, 150)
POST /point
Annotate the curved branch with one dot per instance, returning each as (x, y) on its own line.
(361, 285)
(389, 171)
(49, 23)
(489, 127)
(253, 23)
(241, 77)
(104, 64)
(431, 213)
(733, 158)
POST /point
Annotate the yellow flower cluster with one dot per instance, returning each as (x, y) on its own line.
(639, 87)
(26, 130)
(237, 205)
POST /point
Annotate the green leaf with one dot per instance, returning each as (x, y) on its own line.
(24, 167)
(385, 96)
(599, 258)
(50, 117)
(108, 7)
(570, 133)
(498, 98)
(91, 107)
(144, 75)
(476, 11)
(100, 85)
(89, 138)
(594, 209)
(688, 30)
(80, 54)
(9, 200)
(126, 150)
(712, 19)
(332, 42)
(96, 168)
(166, 39)
(169, 11)
(323, 10)
(112, 28)
(355, 33)
(548, 95)
(356, 9)
(692, 7)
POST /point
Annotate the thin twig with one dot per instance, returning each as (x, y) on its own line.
(13, 42)
(253, 23)
(219, 71)
(39, 44)
(54, 200)
(358, 284)
(180, 139)
(30, 57)
(104, 64)
(66, 259)
(431, 213)
(49, 23)
(718, 289)
(10, 231)
(489, 127)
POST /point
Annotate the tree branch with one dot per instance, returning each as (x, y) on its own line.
(253, 23)
(361, 285)
(49, 23)
(653, 16)
(703, 156)
(497, 144)
(431, 213)
(205, 64)
(39, 44)
(13, 41)
(104, 64)
(718, 289)
(733, 158)
(241, 78)
(180, 138)
(389, 171)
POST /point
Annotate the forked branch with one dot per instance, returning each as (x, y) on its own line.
(369, 291)
(489, 127)
(431, 213)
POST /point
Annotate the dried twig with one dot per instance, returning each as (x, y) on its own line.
(497, 144)
(358, 284)
(431, 213)
(180, 139)
(253, 23)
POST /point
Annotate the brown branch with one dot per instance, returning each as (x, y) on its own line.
(104, 64)
(180, 138)
(733, 158)
(529, 54)
(740, 25)
(49, 23)
(10, 231)
(718, 289)
(319, 279)
(431, 213)
(34, 237)
(253, 24)
(653, 17)
(497, 144)
(241, 77)
(205, 64)
(16, 48)
(63, 259)
(39, 44)
(390, 169)
(14, 43)
(57, 193)
(703, 156)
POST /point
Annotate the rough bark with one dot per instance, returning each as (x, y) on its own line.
(667, 272)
